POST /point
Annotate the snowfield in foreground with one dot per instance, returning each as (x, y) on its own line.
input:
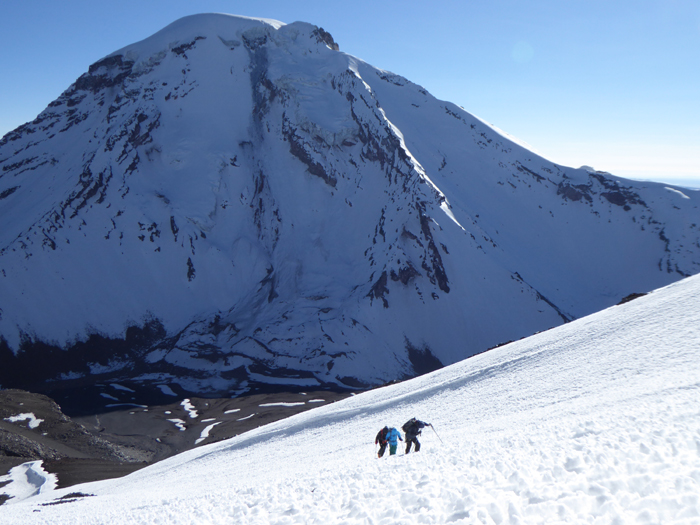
(594, 422)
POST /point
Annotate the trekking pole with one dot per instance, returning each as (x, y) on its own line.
(438, 435)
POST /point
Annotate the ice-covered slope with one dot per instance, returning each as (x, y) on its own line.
(592, 422)
(234, 201)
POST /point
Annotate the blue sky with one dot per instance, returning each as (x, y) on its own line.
(610, 84)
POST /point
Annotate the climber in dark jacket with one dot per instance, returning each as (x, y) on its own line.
(412, 428)
(381, 440)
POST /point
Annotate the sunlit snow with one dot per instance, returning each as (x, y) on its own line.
(189, 407)
(205, 433)
(26, 480)
(677, 192)
(179, 423)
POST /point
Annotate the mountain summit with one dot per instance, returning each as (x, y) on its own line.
(234, 203)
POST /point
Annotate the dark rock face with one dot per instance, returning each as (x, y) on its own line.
(129, 436)
(326, 38)
(422, 359)
(617, 194)
(574, 193)
(434, 269)
(610, 190)
(49, 434)
(631, 297)
(299, 150)
(379, 289)
(38, 365)
(103, 74)
(8, 192)
(75, 376)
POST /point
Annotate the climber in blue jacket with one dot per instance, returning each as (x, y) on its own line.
(391, 437)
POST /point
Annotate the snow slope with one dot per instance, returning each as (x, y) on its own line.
(596, 421)
(233, 202)
(27, 480)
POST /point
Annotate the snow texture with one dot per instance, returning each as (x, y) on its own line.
(596, 421)
(233, 202)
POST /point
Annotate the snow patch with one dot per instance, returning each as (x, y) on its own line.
(27, 480)
(179, 423)
(117, 386)
(33, 421)
(108, 396)
(283, 404)
(205, 433)
(674, 190)
(189, 407)
(167, 390)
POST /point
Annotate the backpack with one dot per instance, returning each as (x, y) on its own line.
(408, 425)
(382, 434)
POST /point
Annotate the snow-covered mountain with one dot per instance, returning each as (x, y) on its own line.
(592, 422)
(234, 202)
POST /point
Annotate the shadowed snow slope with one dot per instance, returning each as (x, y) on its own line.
(233, 202)
(596, 421)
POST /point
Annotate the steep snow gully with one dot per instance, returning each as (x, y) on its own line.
(234, 204)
